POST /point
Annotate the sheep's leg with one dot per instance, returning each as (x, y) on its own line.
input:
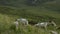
(46, 27)
(24, 24)
(16, 26)
(46, 30)
(27, 23)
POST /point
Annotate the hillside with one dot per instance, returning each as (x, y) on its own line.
(38, 11)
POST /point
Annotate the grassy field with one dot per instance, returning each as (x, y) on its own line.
(17, 8)
(6, 26)
(8, 16)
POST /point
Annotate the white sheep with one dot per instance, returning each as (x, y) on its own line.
(23, 21)
(45, 24)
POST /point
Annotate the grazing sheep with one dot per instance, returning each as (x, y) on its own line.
(53, 32)
(23, 21)
(45, 24)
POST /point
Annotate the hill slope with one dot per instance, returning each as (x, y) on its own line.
(13, 9)
(31, 13)
(7, 18)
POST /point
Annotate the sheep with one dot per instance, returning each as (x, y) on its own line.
(53, 32)
(45, 24)
(16, 24)
(23, 21)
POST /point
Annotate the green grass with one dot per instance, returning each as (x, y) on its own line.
(6, 22)
(44, 12)
(8, 16)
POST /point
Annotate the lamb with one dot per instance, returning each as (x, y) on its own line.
(16, 23)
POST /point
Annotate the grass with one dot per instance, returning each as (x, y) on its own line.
(44, 12)
(6, 22)
(8, 16)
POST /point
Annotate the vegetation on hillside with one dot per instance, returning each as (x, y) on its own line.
(39, 11)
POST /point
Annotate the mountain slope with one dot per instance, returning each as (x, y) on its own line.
(8, 16)
(10, 10)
